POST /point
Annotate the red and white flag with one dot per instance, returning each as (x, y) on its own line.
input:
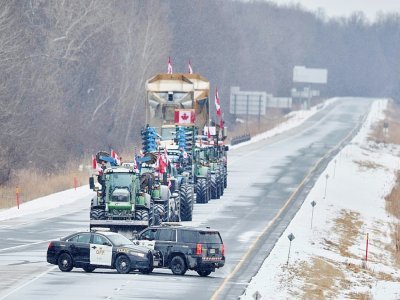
(94, 162)
(184, 116)
(169, 66)
(115, 156)
(190, 68)
(217, 103)
(166, 158)
(162, 165)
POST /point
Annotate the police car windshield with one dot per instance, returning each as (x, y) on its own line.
(118, 240)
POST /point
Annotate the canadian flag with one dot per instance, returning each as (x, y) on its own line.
(169, 66)
(217, 103)
(184, 116)
(190, 68)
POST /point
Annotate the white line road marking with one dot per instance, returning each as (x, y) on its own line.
(26, 245)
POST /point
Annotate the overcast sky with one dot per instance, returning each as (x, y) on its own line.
(336, 8)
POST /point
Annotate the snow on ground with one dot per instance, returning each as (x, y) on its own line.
(46, 203)
(327, 260)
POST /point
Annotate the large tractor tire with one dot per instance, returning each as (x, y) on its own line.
(160, 213)
(97, 214)
(225, 177)
(220, 181)
(142, 215)
(202, 191)
(186, 195)
(214, 187)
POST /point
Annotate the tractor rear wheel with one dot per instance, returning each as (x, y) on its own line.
(186, 196)
(202, 191)
(97, 214)
(142, 215)
(159, 212)
(214, 187)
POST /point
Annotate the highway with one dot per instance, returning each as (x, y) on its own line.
(267, 183)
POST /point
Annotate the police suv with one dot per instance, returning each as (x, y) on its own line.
(182, 248)
(91, 250)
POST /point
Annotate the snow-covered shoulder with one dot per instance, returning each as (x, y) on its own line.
(328, 254)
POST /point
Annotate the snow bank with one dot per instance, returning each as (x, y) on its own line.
(327, 260)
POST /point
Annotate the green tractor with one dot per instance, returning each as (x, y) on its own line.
(166, 203)
(202, 175)
(120, 204)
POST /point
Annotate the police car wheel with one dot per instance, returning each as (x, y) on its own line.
(65, 263)
(88, 269)
(178, 266)
(123, 264)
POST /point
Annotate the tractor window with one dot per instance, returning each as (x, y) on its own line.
(120, 179)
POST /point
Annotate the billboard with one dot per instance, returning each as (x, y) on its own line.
(308, 75)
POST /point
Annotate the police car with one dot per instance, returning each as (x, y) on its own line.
(91, 250)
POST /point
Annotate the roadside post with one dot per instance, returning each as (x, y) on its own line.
(334, 168)
(313, 203)
(326, 184)
(75, 182)
(291, 237)
(257, 295)
(17, 196)
(366, 250)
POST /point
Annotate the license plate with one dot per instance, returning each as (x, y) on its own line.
(212, 251)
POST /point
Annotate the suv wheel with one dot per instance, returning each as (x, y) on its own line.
(178, 266)
(146, 271)
(65, 262)
(123, 264)
(204, 273)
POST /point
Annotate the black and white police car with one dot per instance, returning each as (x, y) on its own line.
(91, 250)
(183, 248)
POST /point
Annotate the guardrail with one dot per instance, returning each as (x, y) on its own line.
(240, 139)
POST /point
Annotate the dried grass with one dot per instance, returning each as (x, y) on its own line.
(33, 184)
(348, 226)
(323, 279)
(364, 165)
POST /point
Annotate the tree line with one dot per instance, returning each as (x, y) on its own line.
(73, 72)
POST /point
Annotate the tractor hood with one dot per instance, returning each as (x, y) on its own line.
(120, 199)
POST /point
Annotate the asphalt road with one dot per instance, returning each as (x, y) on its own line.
(267, 183)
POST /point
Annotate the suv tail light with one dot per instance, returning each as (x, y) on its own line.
(223, 250)
(198, 249)
(50, 245)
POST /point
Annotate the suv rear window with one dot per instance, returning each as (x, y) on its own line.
(210, 237)
(191, 236)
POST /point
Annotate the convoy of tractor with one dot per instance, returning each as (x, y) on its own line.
(183, 159)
